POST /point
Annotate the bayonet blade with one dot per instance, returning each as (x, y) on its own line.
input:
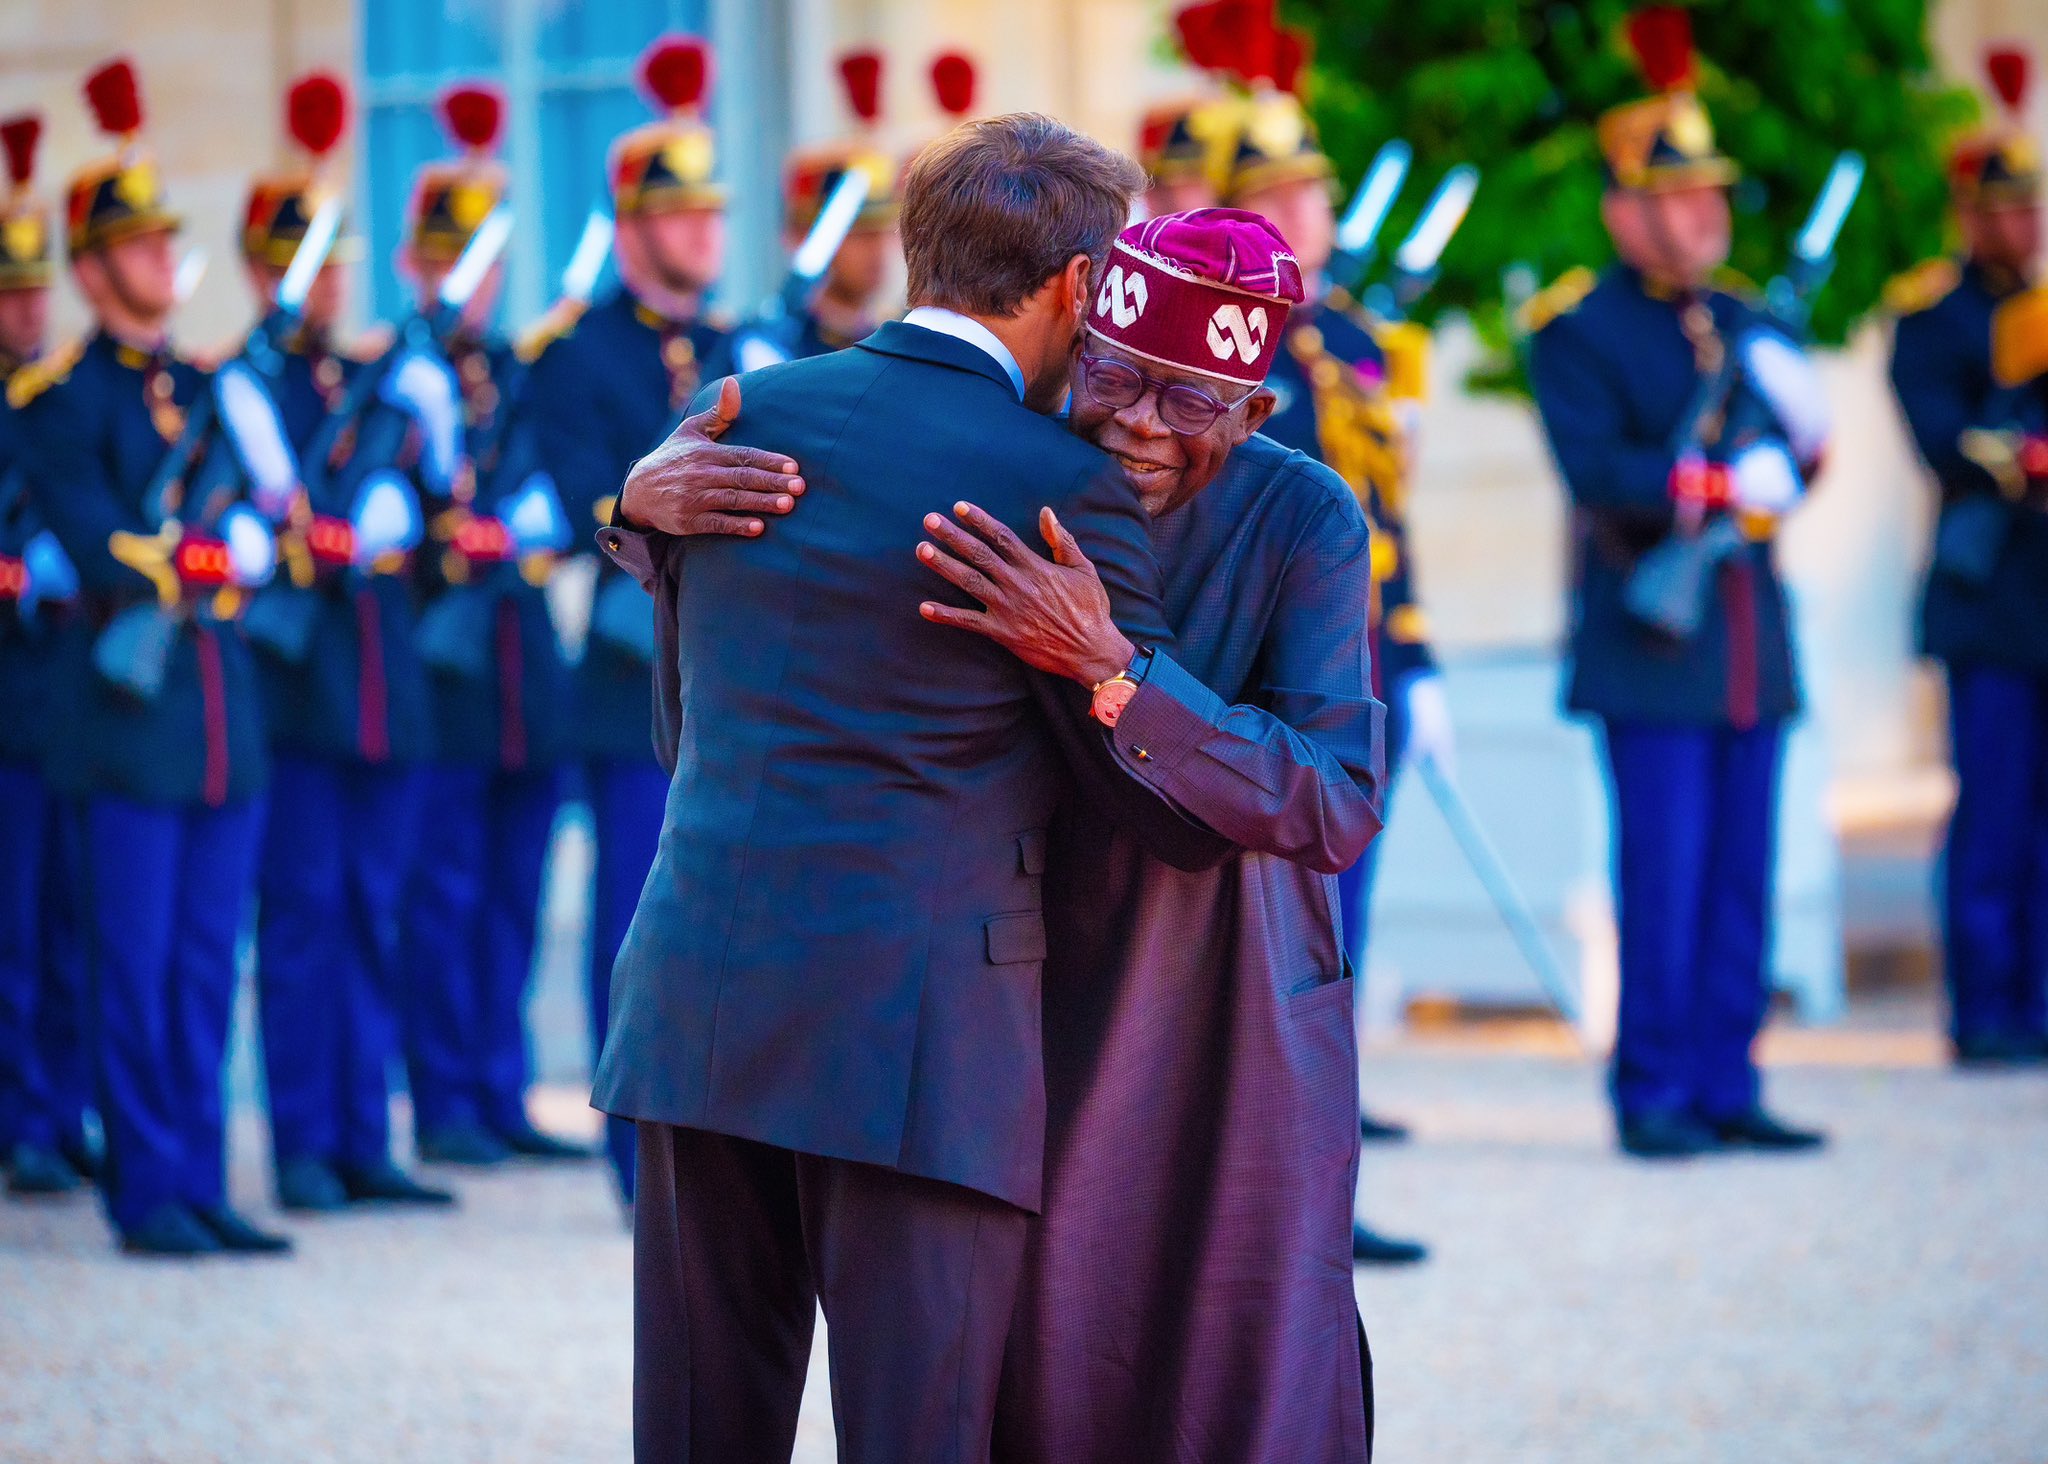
(1375, 197)
(482, 251)
(835, 221)
(579, 280)
(1424, 246)
(1831, 210)
(310, 257)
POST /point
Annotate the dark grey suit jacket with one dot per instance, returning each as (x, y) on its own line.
(839, 947)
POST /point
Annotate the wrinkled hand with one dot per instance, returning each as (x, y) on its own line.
(692, 485)
(1052, 614)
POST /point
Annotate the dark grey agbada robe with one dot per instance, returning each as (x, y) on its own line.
(1188, 1294)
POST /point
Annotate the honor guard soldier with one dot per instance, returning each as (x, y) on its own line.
(1331, 379)
(1185, 144)
(349, 726)
(607, 385)
(499, 691)
(1692, 722)
(44, 1080)
(842, 308)
(1985, 612)
(164, 736)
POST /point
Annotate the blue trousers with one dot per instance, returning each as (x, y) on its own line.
(1693, 855)
(468, 948)
(166, 891)
(45, 1077)
(627, 800)
(337, 852)
(1995, 866)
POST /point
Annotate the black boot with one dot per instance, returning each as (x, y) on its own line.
(1370, 1248)
(1757, 1129)
(1666, 1136)
(387, 1184)
(467, 1144)
(530, 1143)
(170, 1230)
(308, 1187)
(36, 1171)
(239, 1236)
(1375, 1130)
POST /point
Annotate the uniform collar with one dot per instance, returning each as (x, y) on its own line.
(1996, 280)
(654, 319)
(133, 357)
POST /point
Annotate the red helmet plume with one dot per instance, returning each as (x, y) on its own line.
(953, 83)
(1661, 37)
(677, 72)
(2007, 68)
(316, 112)
(861, 72)
(115, 98)
(474, 115)
(19, 135)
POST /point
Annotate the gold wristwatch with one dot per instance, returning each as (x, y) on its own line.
(1112, 696)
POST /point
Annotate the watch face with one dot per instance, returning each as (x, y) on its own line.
(1110, 700)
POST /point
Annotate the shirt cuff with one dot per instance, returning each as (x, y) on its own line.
(636, 551)
(1168, 717)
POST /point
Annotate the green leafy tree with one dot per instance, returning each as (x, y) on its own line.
(1516, 86)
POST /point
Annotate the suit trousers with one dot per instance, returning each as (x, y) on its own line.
(337, 853)
(1693, 859)
(45, 1077)
(468, 948)
(1995, 865)
(627, 804)
(167, 890)
(736, 1246)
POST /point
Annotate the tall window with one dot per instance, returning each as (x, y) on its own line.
(567, 71)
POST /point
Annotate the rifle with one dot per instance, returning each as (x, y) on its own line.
(408, 383)
(1415, 262)
(233, 438)
(774, 329)
(1672, 583)
(1358, 231)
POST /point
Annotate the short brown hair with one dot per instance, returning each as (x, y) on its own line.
(995, 208)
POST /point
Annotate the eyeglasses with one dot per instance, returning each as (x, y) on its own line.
(1185, 409)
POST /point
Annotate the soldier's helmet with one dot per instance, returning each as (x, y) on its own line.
(1259, 135)
(1665, 141)
(121, 196)
(1999, 164)
(812, 173)
(669, 164)
(282, 204)
(24, 217)
(451, 197)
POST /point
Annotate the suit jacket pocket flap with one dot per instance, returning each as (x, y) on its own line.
(1031, 851)
(1013, 938)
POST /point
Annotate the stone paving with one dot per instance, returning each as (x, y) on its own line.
(1887, 1301)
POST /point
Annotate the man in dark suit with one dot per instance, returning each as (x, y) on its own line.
(825, 1017)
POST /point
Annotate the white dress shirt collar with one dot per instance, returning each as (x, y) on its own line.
(966, 328)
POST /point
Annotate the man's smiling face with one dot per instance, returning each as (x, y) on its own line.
(1165, 467)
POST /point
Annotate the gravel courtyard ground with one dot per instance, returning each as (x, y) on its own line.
(1885, 1302)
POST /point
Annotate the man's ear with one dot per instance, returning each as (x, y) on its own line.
(1080, 276)
(1257, 409)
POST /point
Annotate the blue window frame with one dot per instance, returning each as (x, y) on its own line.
(567, 71)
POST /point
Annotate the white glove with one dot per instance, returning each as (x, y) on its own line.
(755, 353)
(533, 516)
(1787, 380)
(252, 549)
(425, 385)
(251, 416)
(386, 517)
(1431, 737)
(51, 576)
(1766, 480)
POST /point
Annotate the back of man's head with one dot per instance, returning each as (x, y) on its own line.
(995, 208)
